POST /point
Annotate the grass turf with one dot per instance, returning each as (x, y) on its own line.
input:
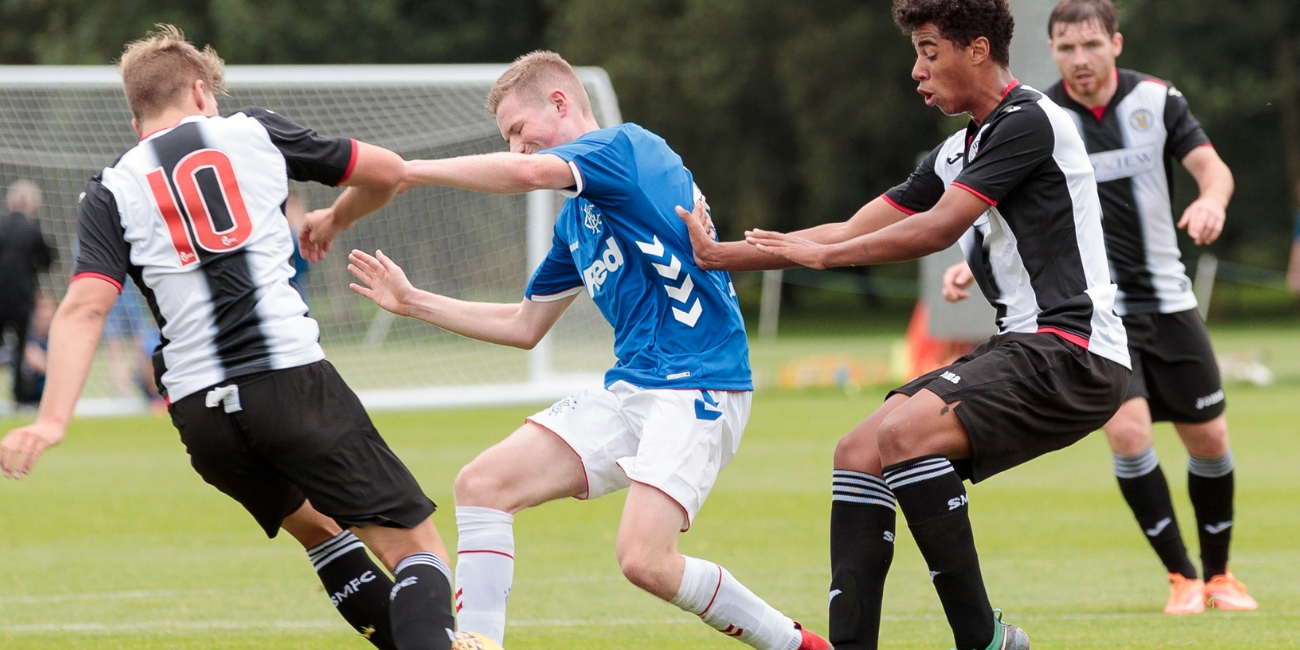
(115, 543)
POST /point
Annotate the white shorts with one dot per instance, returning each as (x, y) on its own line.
(676, 441)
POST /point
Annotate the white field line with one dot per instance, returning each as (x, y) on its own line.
(291, 626)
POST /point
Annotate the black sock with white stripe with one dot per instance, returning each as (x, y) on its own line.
(356, 585)
(1144, 487)
(934, 501)
(1210, 484)
(420, 606)
(862, 548)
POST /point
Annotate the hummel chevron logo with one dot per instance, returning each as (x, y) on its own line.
(834, 593)
(706, 408)
(1215, 529)
(671, 271)
(1160, 525)
(889, 536)
(656, 248)
(682, 293)
(932, 575)
(689, 318)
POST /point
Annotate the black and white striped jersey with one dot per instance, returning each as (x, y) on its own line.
(1038, 254)
(1133, 142)
(195, 215)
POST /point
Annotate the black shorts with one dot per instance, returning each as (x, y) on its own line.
(301, 434)
(1024, 395)
(1174, 367)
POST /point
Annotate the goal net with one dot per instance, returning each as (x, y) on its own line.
(61, 125)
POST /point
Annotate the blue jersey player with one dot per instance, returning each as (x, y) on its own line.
(672, 410)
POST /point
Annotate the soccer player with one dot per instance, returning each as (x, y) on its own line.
(193, 214)
(1135, 126)
(1015, 187)
(672, 410)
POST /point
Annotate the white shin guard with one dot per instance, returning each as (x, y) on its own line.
(710, 592)
(485, 568)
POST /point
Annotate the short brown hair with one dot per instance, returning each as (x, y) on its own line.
(537, 73)
(962, 22)
(158, 69)
(1071, 12)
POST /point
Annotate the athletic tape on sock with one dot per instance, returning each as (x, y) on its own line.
(1210, 467)
(1137, 465)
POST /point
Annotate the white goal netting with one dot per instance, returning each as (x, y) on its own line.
(61, 125)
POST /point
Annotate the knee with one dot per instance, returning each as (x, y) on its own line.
(1128, 437)
(896, 443)
(857, 451)
(1207, 440)
(645, 568)
(475, 486)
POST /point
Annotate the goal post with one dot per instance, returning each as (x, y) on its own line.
(59, 125)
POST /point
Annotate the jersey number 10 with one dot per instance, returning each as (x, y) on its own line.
(198, 213)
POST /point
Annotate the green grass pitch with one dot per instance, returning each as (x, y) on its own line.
(115, 543)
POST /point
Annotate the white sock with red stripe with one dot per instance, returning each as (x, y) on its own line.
(710, 592)
(485, 567)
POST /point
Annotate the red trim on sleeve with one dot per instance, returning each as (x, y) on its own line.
(1010, 87)
(101, 276)
(972, 191)
(897, 206)
(352, 162)
(1072, 338)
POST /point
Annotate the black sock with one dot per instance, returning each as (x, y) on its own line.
(862, 548)
(421, 604)
(1144, 487)
(1210, 485)
(934, 501)
(356, 585)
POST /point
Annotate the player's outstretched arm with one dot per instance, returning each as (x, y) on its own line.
(492, 173)
(74, 335)
(909, 238)
(739, 256)
(519, 325)
(1204, 218)
(374, 181)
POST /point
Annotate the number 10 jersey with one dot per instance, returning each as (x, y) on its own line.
(194, 214)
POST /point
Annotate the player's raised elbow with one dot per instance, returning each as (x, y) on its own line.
(376, 167)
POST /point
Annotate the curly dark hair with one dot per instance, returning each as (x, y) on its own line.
(962, 21)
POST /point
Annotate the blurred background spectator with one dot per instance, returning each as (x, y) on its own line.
(24, 255)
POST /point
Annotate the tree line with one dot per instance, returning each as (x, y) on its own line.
(789, 114)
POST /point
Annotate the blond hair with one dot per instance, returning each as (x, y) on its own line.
(157, 71)
(535, 74)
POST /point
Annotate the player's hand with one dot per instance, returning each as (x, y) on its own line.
(20, 449)
(386, 282)
(316, 236)
(955, 282)
(1203, 220)
(792, 247)
(704, 237)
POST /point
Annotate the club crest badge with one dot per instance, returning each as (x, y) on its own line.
(591, 218)
(1141, 119)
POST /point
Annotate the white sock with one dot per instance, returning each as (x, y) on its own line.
(710, 592)
(485, 567)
